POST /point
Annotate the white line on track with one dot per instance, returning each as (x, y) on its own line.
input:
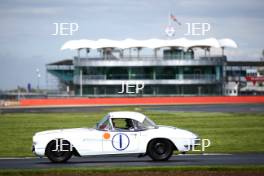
(15, 158)
(193, 154)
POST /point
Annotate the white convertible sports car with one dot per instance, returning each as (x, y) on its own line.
(117, 133)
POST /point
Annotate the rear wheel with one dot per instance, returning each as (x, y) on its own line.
(160, 149)
(59, 151)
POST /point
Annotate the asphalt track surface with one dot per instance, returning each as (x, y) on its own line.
(229, 108)
(124, 161)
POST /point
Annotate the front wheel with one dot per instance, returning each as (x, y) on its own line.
(160, 149)
(57, 154)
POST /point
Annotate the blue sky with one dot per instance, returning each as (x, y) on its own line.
(26, 26)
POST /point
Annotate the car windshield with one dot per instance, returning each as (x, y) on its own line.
(104, 124)
(149, 124)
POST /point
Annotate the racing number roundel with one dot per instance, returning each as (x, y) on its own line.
(120, 141)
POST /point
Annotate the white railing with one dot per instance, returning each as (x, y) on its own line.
(147, 77)
(149, 57)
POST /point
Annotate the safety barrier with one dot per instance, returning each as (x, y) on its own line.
(141, 101)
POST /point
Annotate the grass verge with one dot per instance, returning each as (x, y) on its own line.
(228, 132)
(165, 169)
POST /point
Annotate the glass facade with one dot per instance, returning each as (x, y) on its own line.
(150, 73)
(152, 90)
(177, 73)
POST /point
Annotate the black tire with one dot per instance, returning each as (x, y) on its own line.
(160, 149)
(57, 156)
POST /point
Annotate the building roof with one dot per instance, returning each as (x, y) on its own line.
(127, 114)
(246, 63)
(150, 43)
(62, 62)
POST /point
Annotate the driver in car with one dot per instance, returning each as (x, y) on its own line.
(129, 125)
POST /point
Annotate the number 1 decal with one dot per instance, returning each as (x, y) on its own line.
(120, 141)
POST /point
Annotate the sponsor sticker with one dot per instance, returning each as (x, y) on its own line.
(106, 136)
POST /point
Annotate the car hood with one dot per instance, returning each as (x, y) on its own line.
(70, 130)
(180, 132)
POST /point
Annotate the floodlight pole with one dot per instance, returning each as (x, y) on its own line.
(169, 19)
(38, 77)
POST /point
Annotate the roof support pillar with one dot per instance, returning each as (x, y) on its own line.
(155, 52)
(129, 51)
(223, 51)
(138, 52)
(79, 53)
(154, 73)
(121, 53)
(87, 52)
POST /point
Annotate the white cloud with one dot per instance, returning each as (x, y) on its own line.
(32, 11)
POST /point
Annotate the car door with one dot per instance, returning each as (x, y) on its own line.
(89, 142)
(121, 140)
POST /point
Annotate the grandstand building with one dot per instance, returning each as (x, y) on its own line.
(178, 67)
